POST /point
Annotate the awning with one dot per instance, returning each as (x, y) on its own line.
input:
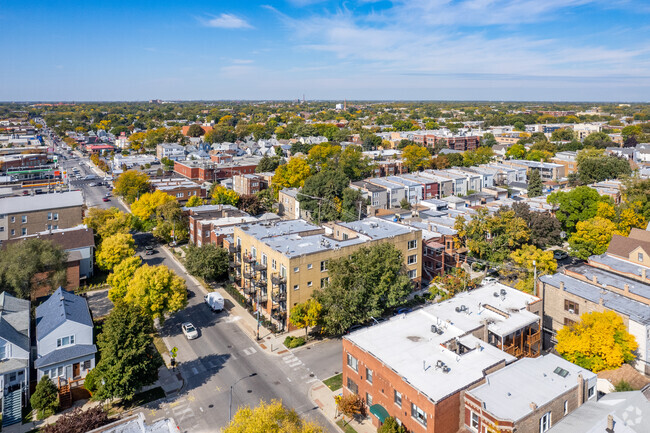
(379, 411)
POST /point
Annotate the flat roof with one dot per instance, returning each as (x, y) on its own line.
(406, 344)
(637, 311)
(295, 245)
(509, 392)
(620, 264)
(611, 279)
(59, 200)
(377, 228)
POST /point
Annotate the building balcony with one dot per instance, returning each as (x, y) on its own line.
(278, 315)
(249, 259)
(248, 275)
(278, 295)
(259, 267)
(234, 248)
(249, 290)
(276, 280)
(261, 282)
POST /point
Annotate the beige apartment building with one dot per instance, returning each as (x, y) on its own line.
(282, 263)
(23, 216)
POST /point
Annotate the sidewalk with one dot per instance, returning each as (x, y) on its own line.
(323, 397)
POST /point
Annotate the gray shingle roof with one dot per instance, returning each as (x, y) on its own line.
(65, 354)
(12, 205)
(14, 320)
(58, 308)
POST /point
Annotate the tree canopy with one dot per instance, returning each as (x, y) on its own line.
(591, 237)
(207, 261)
(269, 417)
(362, 286)
(128, 358)
(132, 184)
(599, 341)
(535, 186)
(579, 204)
(114, 249)
(156, 290)
(107, 222)
(416, 157)
(121, 277)
(222, 195)
(545, 229)
(306, 314)
(145, 207)
(292, 174)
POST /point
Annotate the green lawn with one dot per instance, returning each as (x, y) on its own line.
(345, 427)
(334, 382)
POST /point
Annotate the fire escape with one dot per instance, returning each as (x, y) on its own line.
(235, 262)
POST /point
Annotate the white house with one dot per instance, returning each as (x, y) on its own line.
(14, 356)
(64, 337)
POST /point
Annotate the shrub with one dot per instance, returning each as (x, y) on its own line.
(292, 342)
(623, 386)
(45, 399)
(79, 421)
(351, 405)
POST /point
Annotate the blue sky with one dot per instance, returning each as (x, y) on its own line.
(564, 50)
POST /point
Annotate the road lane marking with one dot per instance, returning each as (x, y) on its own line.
(288, 379)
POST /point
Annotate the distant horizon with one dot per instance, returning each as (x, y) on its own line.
(493, 101)
(399, 50)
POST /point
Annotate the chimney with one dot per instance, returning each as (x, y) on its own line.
(485, 330)
(581, 390)
(601, 301)
(643, 274)
(626, 287)
(562, 285)
(610, 424)
(594, 279)
(533, 406)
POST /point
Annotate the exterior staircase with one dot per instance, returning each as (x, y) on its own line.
(65, 396)
(12, 408)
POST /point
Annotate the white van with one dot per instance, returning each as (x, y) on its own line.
(215, 301)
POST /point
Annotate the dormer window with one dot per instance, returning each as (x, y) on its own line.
(65, 341)
(640, 257)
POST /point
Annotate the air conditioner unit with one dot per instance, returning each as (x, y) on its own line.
(571, 311)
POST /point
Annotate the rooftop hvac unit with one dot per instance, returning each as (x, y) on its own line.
(503, 292)
(496, 294)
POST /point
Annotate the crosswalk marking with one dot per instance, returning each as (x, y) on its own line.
(249, 351)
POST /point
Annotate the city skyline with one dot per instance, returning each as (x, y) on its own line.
(578, 50)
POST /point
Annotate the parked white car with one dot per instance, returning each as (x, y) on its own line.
(190, 331)
(488, 280)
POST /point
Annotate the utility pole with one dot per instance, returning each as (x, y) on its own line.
(535, 276)
(257, 291)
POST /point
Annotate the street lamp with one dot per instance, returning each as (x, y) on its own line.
(231, 387)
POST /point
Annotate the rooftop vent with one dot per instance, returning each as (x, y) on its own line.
(561, 372)
(461, 308)
(503, 292)
(496, 294)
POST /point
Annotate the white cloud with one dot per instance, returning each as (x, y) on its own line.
(242, 61)
(227, 21)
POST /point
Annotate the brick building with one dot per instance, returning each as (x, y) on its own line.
(246, 184)
(416, 366)
(197, 215)
(209, 171)
(21, 216)
(179, 188)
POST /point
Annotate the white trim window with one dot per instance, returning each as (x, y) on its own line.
(65, 341)
(353, 363)
(473, 422)
(545, 422)
(418, 414)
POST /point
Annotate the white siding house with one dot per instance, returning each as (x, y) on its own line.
(64, 337)
(14, 356)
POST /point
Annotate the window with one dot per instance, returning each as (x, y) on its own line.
(309, 266)
(13, 232)
(273, 264)
(545, 422)
(368, 399)
(296, 287)
(412, 244)
(345, 236)
(418, 414)
(65, 341)
(324, 281)
(397, 398)
(308, 283)
(49, 216)
(569, 322)
(254, 252)
(566, 407)
(283, 271)
(24, 219)
(13, 219)
(24, 231)
(2, 229)
(591, 392)
(56, 216)
(55, 227)
(413, 273)
(12, 377)
(352, 386)
(179, 194)
(412, 259)
(296, 269)
(60, 371)
(87, 363)
(264, 259)
(640, 257)
(368, 375)
(571, 307)
(474, 421)
(353, 363)
(323, 266)
(3, 347)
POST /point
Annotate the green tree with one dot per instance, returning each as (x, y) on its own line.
(30, 264)
(222, 195)
(208, 262)
(579, 204)
(535, 185)
(171, 222)
(306, 314)
(482, 155)
(516, 151)
(416, 157)
(269, 417)
(132, 184)
(598, 140)
(599, 341)
(328, 185)
(156, 290)
(450, 283)
(598, 169)
(45, 399)
(269, 164)
(107, 222)
(519, 126)
(489, 140)
(591, 237)
(354, 164)
(363, 285)
(390, 425)
(128, 358)
(121, 277)
(113, 250)
(565, 134)
(405, 204)
(267, 199)
(545, 229)
(195, 130)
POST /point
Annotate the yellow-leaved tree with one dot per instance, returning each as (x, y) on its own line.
(114, 249)
(291, 175)
(416, 157)
(600, 341)
(223, 195)
(145, 207)
(157, 290)
(269, 417)
(107, 222)
(121, 277)
(306, 314)
(524, 258)
(194, 201)
(131, 184)
(592, 237)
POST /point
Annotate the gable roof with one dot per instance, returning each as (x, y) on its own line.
(60, 307)
(14, 320)
(622, 246)
(67, 239)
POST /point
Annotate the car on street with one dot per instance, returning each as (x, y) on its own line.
(148, 248)
(105, 199)
(149, 252)
(488, 280)
(190, 331)
(560, 254)
(92, 184)
(402, 310)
